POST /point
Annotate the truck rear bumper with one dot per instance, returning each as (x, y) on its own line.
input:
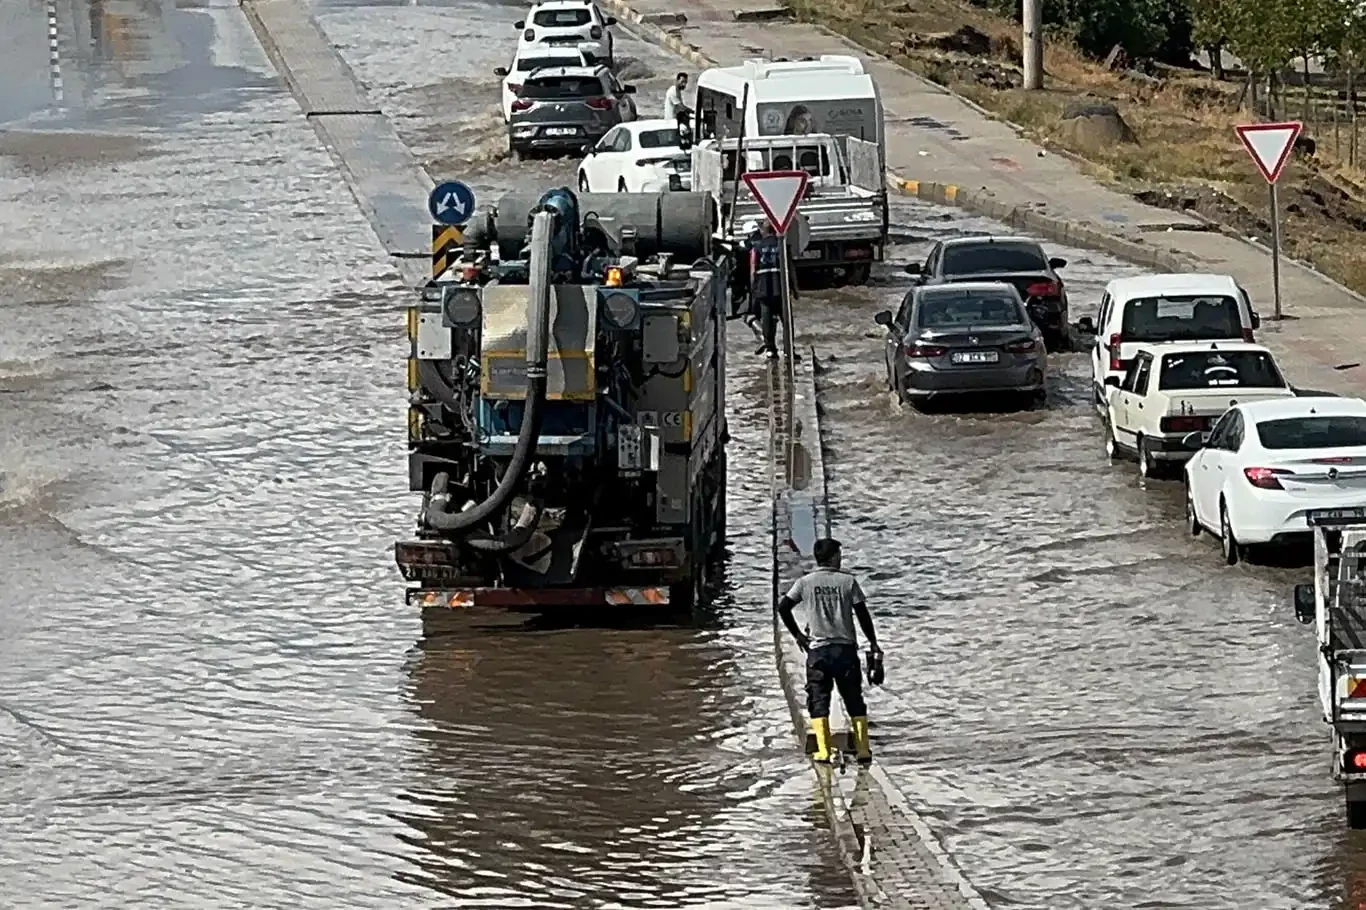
(538, 599)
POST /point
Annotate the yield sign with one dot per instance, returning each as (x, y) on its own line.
(777, 193)
(1269, 144)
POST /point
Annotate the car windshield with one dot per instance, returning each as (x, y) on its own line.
(658, 139)
(1219, 369)
(1326, 432)
(945, 311)
(551, 87)
(1181, 318)
(993, 257)
(559, 18)
(531, 64)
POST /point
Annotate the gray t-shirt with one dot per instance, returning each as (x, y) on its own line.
(830, 598)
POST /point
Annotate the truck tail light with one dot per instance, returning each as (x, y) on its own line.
(1116, 340)
(600, 104)
(1265, 478)
(1184, 424)
(1354, 761)
(925, 350)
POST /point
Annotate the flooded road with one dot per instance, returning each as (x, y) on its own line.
(210, 691)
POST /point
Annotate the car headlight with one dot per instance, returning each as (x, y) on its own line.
(620, 310)
(462, 307)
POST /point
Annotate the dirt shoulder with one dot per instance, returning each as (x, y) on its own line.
(1182, 154)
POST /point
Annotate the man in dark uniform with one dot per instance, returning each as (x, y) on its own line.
(766, 286)
(833, 600)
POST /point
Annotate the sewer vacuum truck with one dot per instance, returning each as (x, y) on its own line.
(566, 421)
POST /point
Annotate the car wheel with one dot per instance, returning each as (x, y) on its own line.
(621, 184)
(1232, 549)
(1192, 520)
(1111, 448)
(1147, 465)
(583, 183)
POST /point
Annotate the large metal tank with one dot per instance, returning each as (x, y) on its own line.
(680, 224)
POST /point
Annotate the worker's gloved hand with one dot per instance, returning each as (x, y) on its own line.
(875, 672)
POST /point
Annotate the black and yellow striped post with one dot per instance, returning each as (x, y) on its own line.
(446, 243)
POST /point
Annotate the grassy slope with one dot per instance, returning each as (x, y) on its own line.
(1187, 153)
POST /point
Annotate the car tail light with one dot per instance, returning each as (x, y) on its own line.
(1265, 478)
(1185, 424)
(1354, 761)
(595, 32)
(520, 105)
(1023, 346)
(925, 350)
(1247, 335)
(600, 104)
(1116, 340)
(1043, 289)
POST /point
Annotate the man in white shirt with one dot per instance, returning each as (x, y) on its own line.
(673, 98)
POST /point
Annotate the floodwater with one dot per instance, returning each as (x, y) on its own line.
(210, 691)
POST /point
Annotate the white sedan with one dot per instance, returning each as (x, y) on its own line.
(644, 156)
(1268, 462)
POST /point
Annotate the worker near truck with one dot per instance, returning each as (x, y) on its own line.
(766, 286)
(833, 601)
(674, 108)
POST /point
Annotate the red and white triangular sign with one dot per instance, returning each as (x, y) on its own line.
(777, 193)
(1269, 144)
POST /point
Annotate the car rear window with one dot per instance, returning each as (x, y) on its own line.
(560, 18)
(1320, 432)
(659, 139)
(944, 311)
(529, 64)
(1181, 318)
(550, 87)
(1220, 369)
(981, 259)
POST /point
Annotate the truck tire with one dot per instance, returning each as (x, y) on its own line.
(858, 274)
(1356, 814)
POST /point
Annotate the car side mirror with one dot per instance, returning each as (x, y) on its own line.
(884, 318)
(500, 71)
(1305, 607)
(911, 268)
(629, 89)
(1084, 324)
(1056, 263)
(1112, 381)
(1256, 321)
(519, 24)
(589, 148)
(611, 20)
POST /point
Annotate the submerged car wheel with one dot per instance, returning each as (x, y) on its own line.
(1192, 520)
(1231, 548)
(621, 184)
(1111, 447)
(1147, 465)
(583, 183)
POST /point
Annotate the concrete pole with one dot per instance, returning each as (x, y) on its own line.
(1033, 44)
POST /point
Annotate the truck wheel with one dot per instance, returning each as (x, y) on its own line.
(1356, 814)
(858, 274)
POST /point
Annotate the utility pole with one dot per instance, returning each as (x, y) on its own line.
(1033, 45)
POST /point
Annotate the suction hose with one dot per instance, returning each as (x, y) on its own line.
(537, 352)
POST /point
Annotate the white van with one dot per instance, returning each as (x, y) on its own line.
(1152, 309)
(833, 94)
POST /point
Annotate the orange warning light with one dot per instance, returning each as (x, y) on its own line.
(613, 277)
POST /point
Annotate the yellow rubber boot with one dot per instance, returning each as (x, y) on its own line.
(858, 726)
(821, 727)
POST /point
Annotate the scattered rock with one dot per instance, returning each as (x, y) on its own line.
(966, 40)
(1094, 126)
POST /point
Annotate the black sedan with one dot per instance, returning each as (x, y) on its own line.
(966, 338)
(1013, 260)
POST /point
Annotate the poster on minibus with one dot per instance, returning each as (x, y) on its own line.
(837, 118)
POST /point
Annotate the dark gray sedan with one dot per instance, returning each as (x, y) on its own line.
(969, 337)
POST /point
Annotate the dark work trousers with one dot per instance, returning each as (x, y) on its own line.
(770, 312)
(829, 667)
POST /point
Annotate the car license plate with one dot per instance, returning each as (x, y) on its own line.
(560, 131)
(974, 357)
(810, 254)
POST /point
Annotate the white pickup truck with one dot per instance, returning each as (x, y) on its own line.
(1161, 410)
(844, 212)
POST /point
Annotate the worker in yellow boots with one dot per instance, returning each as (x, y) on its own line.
(833, 600)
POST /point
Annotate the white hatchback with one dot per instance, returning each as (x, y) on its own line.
(569, 23)
(1267, 463)
(645, 156)
(534, 57)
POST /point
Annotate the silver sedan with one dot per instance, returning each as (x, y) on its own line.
(968, 338)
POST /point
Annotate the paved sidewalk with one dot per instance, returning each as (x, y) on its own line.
(945, 149)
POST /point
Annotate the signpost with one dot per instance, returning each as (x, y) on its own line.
(778, 194)
(1270, 145)
(451, 203)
